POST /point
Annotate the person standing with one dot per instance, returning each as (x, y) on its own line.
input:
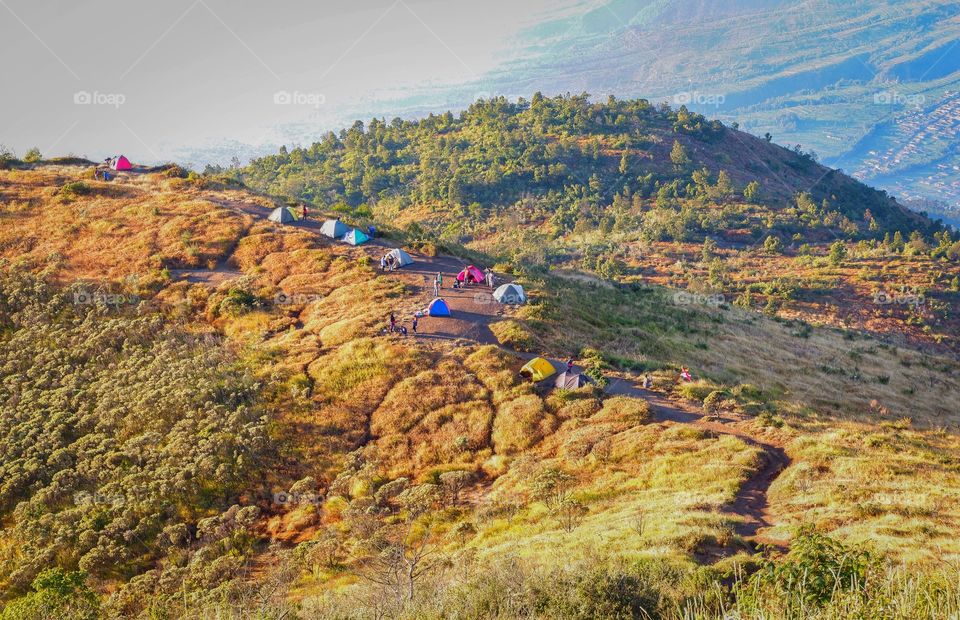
(393, 322)
(490, 278)
(416, 321)
(383, 263)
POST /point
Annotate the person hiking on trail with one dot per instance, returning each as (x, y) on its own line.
(393, 322)
(416, 320)
(647, 382)
(570, 365)
(685, 374)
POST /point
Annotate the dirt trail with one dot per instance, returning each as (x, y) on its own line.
(473, 309)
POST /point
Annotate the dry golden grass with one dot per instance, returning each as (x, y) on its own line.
(111, 230)
(887, 485)
(427, 407)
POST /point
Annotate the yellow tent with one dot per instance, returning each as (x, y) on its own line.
(538, 369)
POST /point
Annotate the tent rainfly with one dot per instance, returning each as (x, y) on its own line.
(121, 163)
(538, 369)
(471, 272)
(334, 229)
(571, 380)
(400, 258)
(510, 294)
(355, 237)
(438, 307)
(282, 215)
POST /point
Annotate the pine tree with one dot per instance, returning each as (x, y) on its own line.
(724, 185)
(897, 245)
(752, 192)
(838, 252)
(679, 156)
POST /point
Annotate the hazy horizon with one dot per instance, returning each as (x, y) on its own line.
(161, 80)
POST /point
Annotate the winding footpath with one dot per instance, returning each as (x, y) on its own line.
(473, 311)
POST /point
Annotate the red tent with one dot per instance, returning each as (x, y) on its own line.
(121, 163)
(475, 275)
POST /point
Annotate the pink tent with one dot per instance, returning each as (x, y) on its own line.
(475, 274)
(121, 163)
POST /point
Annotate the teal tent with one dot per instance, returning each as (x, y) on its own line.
(356, 237)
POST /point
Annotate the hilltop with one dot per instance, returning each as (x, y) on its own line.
(642, 193)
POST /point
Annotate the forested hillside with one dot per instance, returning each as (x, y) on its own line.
(569, 159)
(642, 192)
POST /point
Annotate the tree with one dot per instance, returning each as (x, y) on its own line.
(724, 184)
(624, 162)
(454, 482)
(56, 594)
(773, 245)
(679, 156)
(751, 192)
(32, 156)
(897, 244)
(709, 247)
(838, 252)
(553, 486)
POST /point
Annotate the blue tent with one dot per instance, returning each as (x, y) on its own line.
(438, 307)
(355, 237)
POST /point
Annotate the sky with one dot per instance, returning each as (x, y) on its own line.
(164, 80)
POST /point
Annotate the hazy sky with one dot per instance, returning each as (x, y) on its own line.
(154, 79)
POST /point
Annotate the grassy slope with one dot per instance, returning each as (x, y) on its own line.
(331, 389)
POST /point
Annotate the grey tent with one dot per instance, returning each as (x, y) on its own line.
(282, 215)
(400, 258)
(334, 229)
(510, 294)
(571, 380)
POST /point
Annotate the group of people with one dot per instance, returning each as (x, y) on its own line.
(398, 328)
(388, 263)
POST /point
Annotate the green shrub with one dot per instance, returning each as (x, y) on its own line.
(816, 569)
(32, 156)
